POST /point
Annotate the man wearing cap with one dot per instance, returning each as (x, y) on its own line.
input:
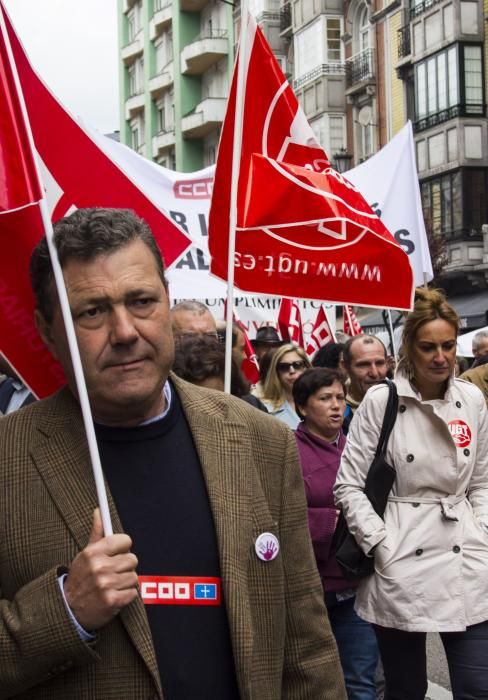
(266, 339)
(208, 588)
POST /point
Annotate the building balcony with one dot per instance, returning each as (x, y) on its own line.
(404, 43)
(161, 19)
(162, 141)
(193, 5)
(444, 115)
(206, 117)
(162, 80)
(134, 48)
(127, 5)
(286, 26)
(134, 104)
(417, 8)
(204, 51)
(318, 72)
(360, 71)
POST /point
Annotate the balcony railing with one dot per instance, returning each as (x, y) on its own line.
(318, 72)
(210, 34)
(404, 46)
(444, 115)
(417, 8)
(285, 17)
(360, 67)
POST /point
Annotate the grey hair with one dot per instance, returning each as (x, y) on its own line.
(477, 338)
(190, 305)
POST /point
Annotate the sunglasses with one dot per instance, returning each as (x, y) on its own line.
(286, 366)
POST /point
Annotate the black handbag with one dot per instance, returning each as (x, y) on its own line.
(352, 561)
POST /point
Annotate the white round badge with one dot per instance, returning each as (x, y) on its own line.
(267, 546)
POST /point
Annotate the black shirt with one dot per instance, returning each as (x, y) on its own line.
(156, 481)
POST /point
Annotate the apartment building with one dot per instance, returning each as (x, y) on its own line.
(360, 69)
(176, 61)
(442, 63)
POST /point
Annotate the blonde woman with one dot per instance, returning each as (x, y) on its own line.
(431, 550)
(288, 363)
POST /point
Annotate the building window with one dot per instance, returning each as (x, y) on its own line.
(135, 137)
(473, 79)
(161, 115)
(131, 25)
(330, 132)
(441, 204)
(133, 22)
(333, 28)
(319, 44)
(131, 73)
(455, 204)
(364, 28)
(449, 84)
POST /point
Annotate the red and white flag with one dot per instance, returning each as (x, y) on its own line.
(352, 326)
(250, 364)
(321, 334)
(20, 228)
(290, 322)
(302, 229)
(76, 173)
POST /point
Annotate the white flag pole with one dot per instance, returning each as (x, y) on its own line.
(236, 162)
(64, 303)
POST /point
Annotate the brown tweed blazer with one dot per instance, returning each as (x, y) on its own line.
(283, 646)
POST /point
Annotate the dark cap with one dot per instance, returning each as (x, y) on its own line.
(266, 335)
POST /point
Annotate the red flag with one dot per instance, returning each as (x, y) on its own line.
(321, 333)
(20, 228)
(290, 322)
(82, 175)
(303, 230)
(250, 365)
(351, 324)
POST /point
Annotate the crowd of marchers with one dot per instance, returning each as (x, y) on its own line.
(221, 579)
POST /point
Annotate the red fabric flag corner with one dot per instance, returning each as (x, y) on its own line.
(290, 322)
(352, 326)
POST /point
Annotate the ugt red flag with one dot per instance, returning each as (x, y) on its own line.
(302, 230)
(351, 324)
(290, 322)
(321, 334)
(77, 174)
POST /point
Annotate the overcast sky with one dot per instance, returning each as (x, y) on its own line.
(72, 44)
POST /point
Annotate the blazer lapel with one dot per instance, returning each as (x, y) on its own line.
(63, 461)
(224, 451)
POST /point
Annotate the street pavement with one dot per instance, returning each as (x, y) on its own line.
(437, 673)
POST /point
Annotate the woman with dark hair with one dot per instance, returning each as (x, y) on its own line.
(200, 360)
(431, 549)
(320, 400)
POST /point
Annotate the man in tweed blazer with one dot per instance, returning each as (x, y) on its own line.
(282, 646)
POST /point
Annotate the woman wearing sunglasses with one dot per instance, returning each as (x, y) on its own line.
(288, 363)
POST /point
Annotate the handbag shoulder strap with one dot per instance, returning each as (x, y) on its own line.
(389, 419)
(6, 392)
